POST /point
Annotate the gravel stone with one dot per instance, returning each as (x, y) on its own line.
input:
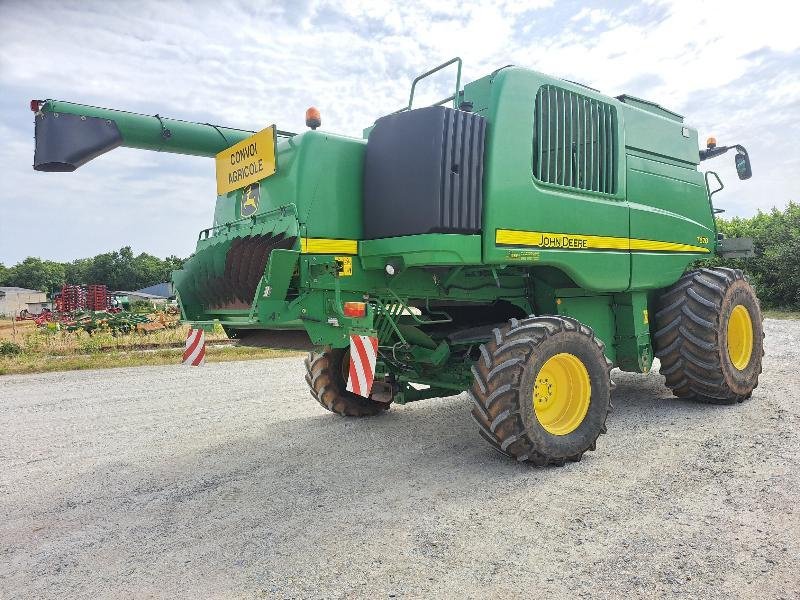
(229, 480)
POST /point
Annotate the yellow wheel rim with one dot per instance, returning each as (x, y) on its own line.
(740, 337)
(561, 394)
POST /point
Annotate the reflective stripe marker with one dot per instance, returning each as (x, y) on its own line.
(328, 246)
(363, 354)
(195, 353)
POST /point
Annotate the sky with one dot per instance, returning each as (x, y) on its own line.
(731, 67)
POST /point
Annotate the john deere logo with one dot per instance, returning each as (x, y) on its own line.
(250, 196)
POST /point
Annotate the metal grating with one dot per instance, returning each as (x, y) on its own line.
(575, 141)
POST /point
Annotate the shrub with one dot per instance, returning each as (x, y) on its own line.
(141, 307)
(8, 348)
(94, 343)
(775, 269)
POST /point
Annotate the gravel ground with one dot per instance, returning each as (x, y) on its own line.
(230, 481)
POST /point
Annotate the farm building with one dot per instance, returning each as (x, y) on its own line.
(163, 290)
(125, 297)
(14, 300)
(158, 295)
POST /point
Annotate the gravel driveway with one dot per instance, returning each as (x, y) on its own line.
(230, 481)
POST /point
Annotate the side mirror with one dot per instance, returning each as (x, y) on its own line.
(743, 168)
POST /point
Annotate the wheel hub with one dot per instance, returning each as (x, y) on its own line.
(740, 337)
(561, 394)
(544, 391)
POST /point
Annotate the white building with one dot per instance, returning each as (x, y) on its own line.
(14, 300)
(124, 296)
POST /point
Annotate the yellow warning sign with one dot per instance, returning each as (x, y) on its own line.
(344, 265)
(247, 162)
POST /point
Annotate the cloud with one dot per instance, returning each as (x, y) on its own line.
(731, 69)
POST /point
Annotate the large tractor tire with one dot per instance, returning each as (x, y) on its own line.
(542, 390)
(709, 336)
(326, 375)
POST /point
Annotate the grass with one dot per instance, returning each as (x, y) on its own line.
(40, 340)
(14, 331)
(39, 350)
(39, 363)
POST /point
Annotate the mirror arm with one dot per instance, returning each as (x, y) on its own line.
(712, 152)
(719, 150)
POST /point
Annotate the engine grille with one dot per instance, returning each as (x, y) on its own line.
(575, 141)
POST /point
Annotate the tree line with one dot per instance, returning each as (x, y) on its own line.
(119, 270)
(775, 269)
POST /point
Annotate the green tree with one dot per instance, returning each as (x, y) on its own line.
(173, 263)
(119, 270)
(774, 270)
(122, 270)
(114, 269)
(38, 274)
(148, 270)
(77, 271)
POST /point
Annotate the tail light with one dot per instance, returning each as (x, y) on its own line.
(355, 309)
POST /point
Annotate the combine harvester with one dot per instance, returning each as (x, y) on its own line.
(516, 243)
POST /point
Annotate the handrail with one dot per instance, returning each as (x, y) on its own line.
(419, 78)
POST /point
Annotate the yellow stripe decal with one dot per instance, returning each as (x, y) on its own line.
(328, 246)
(571, 241)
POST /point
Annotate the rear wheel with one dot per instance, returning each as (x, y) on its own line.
(326, 375)
(709, 336)
(542, 390)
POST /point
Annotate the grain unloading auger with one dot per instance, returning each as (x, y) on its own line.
(516, 244)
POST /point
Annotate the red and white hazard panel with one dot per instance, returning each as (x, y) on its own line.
(363, 353)
(195, 352)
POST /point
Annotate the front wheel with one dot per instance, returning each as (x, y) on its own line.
(542, 390)
(709, 336)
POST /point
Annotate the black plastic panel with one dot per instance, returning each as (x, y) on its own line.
(423, 173)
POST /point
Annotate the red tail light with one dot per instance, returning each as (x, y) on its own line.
(36, 105)
(355, 309)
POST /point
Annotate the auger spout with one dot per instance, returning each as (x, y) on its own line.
(69, 135)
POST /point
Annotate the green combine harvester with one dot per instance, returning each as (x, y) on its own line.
(516, 240)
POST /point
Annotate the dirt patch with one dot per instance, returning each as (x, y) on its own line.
(15, 331)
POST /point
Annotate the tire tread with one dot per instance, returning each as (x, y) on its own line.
(687, 337)
(495, 390)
